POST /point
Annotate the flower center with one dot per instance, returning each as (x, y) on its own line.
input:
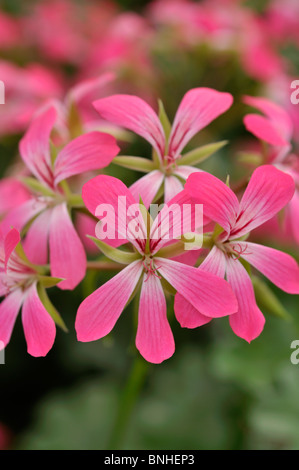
(170, 164)
(237, 250)
(149, 267)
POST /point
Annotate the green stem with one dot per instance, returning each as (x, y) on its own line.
(103, 265)
(127, 402)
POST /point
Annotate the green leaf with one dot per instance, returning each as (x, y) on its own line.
(170, 251)
(164, 121)
(50, 307)
(48, 281)
(159, 193)
(75, 201)
(250, 158)
(156, 159)
(54, 153)
(135, 163)
(74, 121)
(117, 132)
(37, 187)
(266, 299)
(120, 256)
(200, 154)
(19, 250)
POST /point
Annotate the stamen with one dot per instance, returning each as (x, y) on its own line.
(150, 269)
(171, 162)
(237, 253)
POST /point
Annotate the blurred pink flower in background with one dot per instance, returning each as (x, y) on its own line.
(26, 88)
(9, 31)
(276, 129)
(49, 206)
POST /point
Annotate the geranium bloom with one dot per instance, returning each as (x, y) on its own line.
(12, 194)
(147, 266)
(268, 191)
(198, 108)
(50, 202)
(26, 88)
(19, 284)
(276, 128)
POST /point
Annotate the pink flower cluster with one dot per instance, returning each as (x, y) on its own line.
(50, 199)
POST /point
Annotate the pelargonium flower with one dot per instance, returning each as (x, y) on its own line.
(198, 108)
(26, 88)
(22, 285)
(12, 193)
(75, 113)
(48, 208)
(268, 191)
(147, 267)
(276, 129)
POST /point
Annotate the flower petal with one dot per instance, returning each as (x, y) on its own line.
(85, 88)
(209, 294)
(184, 171)
(35, 146)
(67, 255)
(135, 114)
(173, 186)
(248, 322)
(198, 108)
(292, 216)
(263, 129)
(39, 327)
(12, 194)
(277, 266)
(10, 242)
(220, 204)
(215, 262)
(180, 215)
(9, 309)
(187, 315)
(147, 187)
(280, 129)
(22, 214)
(154, 337)
(114, 199)
(268, 191)
(85, 153)
(99, 312)
(36, 242)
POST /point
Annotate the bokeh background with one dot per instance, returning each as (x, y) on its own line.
(217, 391)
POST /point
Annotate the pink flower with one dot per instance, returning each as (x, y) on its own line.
(26, 88)
(49, 206)
(99, 312)
(68, 44)
(276, 128)
(198, 108)
(12, 193)
(19, 284)
(268, 191)
(9, 31)
(75, 112)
